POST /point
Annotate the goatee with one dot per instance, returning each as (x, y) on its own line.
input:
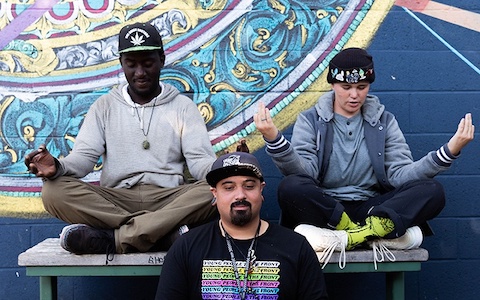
(240, 218)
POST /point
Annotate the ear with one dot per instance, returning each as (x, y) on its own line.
(214, 192)
(162, 59)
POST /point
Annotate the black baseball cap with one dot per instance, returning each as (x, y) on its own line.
(234, 164)
(139, 37)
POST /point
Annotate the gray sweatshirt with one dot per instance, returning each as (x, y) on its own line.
(112, 129)
(390, 156)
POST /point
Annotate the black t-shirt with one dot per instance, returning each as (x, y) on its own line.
(198, 266)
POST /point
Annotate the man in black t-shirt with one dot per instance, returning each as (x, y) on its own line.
(210, 261)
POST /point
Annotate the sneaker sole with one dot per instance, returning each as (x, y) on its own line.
(414, 238)
(65, 232)
(417, 235)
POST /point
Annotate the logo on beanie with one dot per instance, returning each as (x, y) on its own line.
(351, 76)
(140, 36)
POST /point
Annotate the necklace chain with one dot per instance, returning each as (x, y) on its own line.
(248, 263)
(146, 143)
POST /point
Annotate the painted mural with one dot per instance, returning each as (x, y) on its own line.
(58, 57)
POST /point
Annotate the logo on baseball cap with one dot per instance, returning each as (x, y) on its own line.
(234, 164)
(139, 37)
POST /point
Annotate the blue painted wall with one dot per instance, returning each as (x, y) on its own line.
(429, 88)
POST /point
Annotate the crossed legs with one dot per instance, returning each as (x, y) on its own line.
(140, 216)
(413, 203)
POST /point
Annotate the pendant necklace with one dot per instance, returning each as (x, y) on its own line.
(242, 290)
(146, 143)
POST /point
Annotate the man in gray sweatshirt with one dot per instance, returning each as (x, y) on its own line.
(145, 132)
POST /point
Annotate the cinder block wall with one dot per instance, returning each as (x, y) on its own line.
(429, 88)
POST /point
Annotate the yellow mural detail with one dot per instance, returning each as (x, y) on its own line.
(290, 22)
(70, 138)
(210, 76)
(272, 72)
(259, 42)
(29, 134)
(281, 59)
(223, 86)
(278, 6)
(241, 71)
(304, 35)
(22, 207)
(185, 84)
(206, 111)
(12, 153)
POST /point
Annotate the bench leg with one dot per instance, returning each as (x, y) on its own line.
(395, 285)
(48, 287)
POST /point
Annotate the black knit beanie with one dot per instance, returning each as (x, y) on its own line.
(351, 65)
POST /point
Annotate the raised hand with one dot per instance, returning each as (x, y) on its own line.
(40, 162)
(264, 122)
(465, 133)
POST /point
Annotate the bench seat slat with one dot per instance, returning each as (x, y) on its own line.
(49, 253)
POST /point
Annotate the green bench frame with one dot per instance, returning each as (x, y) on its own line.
(48, 261)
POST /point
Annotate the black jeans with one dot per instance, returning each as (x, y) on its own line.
(414, 203)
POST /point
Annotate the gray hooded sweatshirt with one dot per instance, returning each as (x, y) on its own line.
(391, 159)
(112, 130)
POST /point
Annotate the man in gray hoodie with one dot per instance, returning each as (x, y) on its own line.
(350, 174)
(146, 133)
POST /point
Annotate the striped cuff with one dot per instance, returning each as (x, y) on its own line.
(443, 156)
(278, 145)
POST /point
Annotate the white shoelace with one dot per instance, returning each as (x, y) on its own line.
(325, 256)
(381, 253)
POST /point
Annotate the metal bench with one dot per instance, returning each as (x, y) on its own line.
(48, 260)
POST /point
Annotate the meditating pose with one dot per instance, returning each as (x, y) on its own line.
(350, 175)
(146, 133)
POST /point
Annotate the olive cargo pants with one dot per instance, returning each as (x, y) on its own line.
(140, 216)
